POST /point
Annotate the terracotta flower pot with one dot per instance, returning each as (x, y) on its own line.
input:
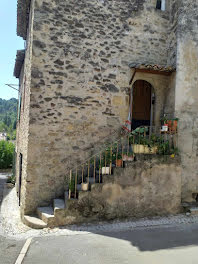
(119, 163)
(172, 125)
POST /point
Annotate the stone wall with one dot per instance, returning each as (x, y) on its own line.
(80, 81)
(144, 188)
(172, 36)
(187, 95)
(23, 123)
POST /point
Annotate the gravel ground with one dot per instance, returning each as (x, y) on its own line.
(13, 227)
(9, 247)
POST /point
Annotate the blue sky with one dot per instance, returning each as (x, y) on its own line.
(8, 47)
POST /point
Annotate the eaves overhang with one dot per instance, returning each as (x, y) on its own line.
(19, 62)
(153, 68)
(23, 9)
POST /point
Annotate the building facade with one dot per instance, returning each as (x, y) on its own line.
(82, 59)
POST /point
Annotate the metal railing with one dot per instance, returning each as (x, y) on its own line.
(143, 140)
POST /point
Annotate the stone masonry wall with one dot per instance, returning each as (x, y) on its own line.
(80, 80)
(187, 95)
(22, 125)
(172, 36)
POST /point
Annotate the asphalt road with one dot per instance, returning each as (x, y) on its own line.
(9, 248)
(159, 245)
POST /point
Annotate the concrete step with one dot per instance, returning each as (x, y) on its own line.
(193, 210)
(34, 222)
(108, 178)
(83, 194)
(59, 204)
(96, 180)
(91, 180)
(46, 214)
(78, 187)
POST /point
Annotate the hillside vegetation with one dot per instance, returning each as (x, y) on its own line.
(8, 117)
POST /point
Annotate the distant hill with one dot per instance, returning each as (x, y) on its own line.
(8, 116)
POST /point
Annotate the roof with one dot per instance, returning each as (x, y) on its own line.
(153, 67)
(22, 17)
(19, 62)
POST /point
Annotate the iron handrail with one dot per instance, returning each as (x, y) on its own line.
(115, 142)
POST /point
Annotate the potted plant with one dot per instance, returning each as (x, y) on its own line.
(144, 149)
(106, 170)
(164, 124)
(128, 157)
(105, 162)
(85, 186)
(72, 187)
(144, 145)
(119, 160)
(172, 124)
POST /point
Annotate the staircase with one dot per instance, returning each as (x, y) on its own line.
(190, 208)
(86, 181)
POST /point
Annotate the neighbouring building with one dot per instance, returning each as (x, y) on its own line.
(3, 136)
(83, 63)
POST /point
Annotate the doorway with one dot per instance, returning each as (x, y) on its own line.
(20, 175)
(142, 104)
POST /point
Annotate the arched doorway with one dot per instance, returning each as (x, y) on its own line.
(143, 99)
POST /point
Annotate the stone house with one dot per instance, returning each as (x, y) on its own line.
(3, 136)
(82, 64)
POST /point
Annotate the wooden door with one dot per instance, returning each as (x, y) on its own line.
(141, 107)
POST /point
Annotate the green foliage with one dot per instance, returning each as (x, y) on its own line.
(72, 185)
(8, 117)
(6, 154)
(164, 146)
(11, 179)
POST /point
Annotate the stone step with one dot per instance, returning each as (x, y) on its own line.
(59, 204)
(46, 214)
(78, 187)
(34, 222)
(82, 194)
(108, 178)
(91, 180)
(96, 180)
(194, 210)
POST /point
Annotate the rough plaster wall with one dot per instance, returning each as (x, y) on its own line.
(169, 106)
(80, 80)
(144, 188)
(23, 126)
(187, 95)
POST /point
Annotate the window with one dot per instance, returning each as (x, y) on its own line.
(161, 4)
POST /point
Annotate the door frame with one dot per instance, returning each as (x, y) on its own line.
(152, 101)
(20, 175)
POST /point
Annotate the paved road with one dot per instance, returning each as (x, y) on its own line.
(9, 248)
(157, 245)
(172, 245)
